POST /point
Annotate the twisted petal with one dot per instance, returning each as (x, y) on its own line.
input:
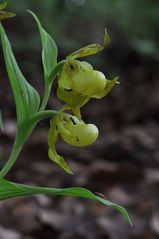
(53, 155)
(90, 49)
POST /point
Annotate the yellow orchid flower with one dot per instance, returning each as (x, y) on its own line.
(73, 131)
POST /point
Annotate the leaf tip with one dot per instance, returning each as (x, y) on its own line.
(106, 38)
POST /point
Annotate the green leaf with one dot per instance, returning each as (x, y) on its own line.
(26, 97)
(1, 122)
(3, 5)
(10, 190)
(49, 49)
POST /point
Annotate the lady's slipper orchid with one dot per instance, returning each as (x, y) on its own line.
(78, 82)
(73, 131)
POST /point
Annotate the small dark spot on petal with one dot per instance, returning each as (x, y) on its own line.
(77, 139)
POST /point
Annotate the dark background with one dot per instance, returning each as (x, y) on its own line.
(124, 162)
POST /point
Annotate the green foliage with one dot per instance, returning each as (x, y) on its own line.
(29, 112)
(10, 190)
(26, 98)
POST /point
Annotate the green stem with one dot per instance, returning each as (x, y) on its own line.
(45, 97)
(55, 71)
(21, 138)
(48, 84)
(19, 141)
(14, 154)
(43, 115)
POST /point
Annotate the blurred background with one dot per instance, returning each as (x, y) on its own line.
(124, 162)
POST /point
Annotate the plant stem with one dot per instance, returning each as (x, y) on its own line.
(45, 97)
(48, 84)
(19, 141)
(14, 154)
(42, 115)
(55, 71)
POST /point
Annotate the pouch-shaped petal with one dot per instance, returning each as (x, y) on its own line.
(88, 82)
(79, 135)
